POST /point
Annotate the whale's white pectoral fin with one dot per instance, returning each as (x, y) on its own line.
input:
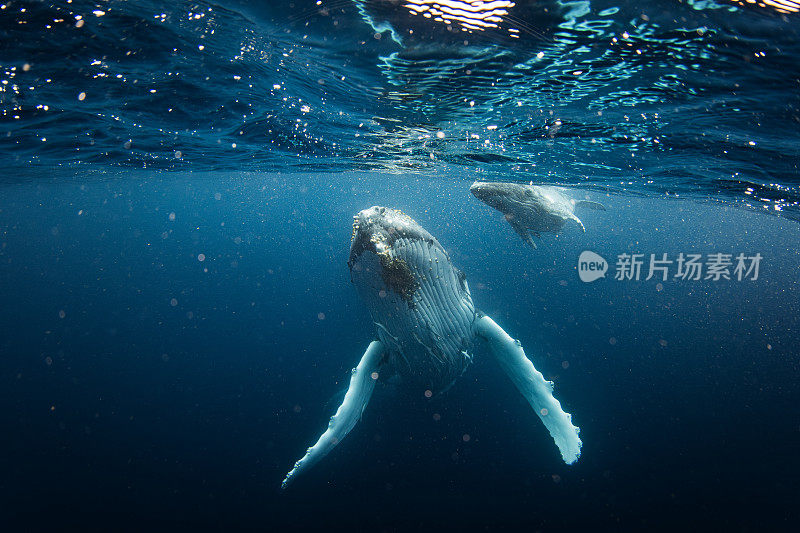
(531, 383)
(579, 222)
(362, 383)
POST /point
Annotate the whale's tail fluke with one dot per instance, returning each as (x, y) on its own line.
(531, 383)
(362, 383)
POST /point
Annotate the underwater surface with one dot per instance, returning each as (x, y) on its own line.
(177, 193)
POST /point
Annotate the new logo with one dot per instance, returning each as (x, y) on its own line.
(591, 266)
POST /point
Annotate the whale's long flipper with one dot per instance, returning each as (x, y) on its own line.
(576, 219)
(523, 232)
(533, 386)
(362, 383)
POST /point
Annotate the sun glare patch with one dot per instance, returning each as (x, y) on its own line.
(476, 15)
(781, 6)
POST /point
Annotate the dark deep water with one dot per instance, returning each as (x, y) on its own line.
(130, 412)
(176, 196)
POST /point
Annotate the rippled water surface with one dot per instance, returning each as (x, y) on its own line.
(668, 96)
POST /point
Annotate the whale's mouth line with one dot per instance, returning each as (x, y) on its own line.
(355, 229)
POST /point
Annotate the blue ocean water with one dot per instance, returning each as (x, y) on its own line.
(176, 202)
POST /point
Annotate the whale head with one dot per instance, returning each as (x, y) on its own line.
(373, 260)
(496, 194)
(376, 229)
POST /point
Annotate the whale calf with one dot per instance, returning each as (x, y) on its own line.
(426, 327)
(531, 209)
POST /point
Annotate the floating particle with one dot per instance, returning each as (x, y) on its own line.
(201, 257)
(428, 393)
(321, 316)
(81, 96)
(173, 302)
(465, 437)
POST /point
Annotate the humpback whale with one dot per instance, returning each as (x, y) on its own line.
(531, 209)
(426, 327)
